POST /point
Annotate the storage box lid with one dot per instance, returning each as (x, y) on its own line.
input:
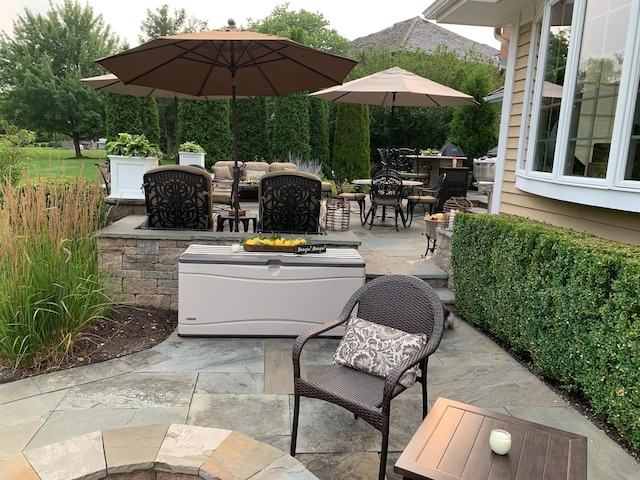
(222, 254)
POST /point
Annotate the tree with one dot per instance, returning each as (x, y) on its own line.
(135, 115)
(291, 127)
(475, 128)
(208, 124)
(253, 135)
(319, 128)
(158, 24)
(351, 155)
(41, 68)
(283, 22)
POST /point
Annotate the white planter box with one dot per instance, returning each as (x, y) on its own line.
(191, 158)
(127, 176)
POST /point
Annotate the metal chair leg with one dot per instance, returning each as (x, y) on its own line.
(294, 428)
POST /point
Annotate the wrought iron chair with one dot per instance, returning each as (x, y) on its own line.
(366, 395)
(386, 191)
(289, 202)
(424, 196)
(358, 197)
(178, 197)
(106, 176)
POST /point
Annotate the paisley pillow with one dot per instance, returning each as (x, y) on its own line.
(377, 349)
(254, 174)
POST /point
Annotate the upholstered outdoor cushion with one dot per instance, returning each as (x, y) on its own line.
(222, 172)
(377, 349)
(280, 166)
(254, 174)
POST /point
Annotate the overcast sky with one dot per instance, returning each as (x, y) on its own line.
(350, 18)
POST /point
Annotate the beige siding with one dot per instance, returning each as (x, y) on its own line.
(605, 223)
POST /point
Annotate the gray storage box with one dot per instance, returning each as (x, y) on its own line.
(263, 293)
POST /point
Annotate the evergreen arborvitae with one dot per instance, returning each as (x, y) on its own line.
(135, 115)
(207, 123)
(351, 155)
(291, 127)
(319, 131)
(253, 136)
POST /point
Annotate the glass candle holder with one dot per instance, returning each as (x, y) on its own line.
(500, 441)
(235, 248)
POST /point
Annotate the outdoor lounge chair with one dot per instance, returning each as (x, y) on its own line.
(289, 202)
(454, 185)
(178, 197)
(402, 302)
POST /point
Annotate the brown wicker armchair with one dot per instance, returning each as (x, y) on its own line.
(366, 395)
(289, 202)
(178, 197)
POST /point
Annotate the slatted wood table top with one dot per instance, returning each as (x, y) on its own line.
(452, 443)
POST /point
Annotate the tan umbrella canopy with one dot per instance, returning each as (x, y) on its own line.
(109, 83)
(396, 87)
(228, 62)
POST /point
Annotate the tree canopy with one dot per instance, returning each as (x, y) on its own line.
(45, 60)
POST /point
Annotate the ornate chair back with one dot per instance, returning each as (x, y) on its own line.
(289, 202)
(178, 197)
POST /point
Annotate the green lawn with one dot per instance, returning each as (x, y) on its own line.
(57, 162)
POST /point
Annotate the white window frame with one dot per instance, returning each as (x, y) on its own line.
(613, 191)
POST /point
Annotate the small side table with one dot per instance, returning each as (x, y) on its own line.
(231, 218)
(431, 235)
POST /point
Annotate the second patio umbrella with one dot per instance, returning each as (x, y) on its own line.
(396, 87)
(228, 62)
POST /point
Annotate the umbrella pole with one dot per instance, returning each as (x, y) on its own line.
(236, 170)
(177, 145)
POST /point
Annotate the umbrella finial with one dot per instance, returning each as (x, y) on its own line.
(232, 24)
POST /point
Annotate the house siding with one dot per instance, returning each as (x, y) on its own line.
(605, 223)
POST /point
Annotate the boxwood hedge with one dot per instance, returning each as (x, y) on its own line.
(567, 300)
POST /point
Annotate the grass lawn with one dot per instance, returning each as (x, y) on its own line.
(58, 162)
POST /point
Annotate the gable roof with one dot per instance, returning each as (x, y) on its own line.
(420, 34)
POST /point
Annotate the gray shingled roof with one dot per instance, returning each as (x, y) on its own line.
(420, 34)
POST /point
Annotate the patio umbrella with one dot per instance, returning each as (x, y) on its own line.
(228, 62)
(396, 87)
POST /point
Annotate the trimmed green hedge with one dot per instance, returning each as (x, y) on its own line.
(569, 301)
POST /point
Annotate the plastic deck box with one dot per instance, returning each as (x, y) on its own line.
(221, 293)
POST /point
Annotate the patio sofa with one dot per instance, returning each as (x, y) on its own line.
(223, 178)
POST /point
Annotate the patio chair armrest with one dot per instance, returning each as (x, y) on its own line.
(303, 338)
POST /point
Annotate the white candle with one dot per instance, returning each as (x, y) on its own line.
(235, 248)
(500, 441)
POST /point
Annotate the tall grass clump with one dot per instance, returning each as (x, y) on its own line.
(49, 277)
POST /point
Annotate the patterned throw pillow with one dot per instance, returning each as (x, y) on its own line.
(376, 349)
(254, 174)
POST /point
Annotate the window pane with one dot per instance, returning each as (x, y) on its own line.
(557, 48)
(597, 85)
(632, 171)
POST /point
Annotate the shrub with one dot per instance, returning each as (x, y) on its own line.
(50, 282)
(568, 301)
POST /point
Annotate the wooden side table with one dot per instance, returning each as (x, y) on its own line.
(452, 443)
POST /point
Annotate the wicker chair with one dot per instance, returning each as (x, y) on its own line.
(400, 301)
(351, 196)
(386, 191)
(178, 197)
(289, 202)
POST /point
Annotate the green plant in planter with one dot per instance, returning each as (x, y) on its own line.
(128, 145)
(191, 147)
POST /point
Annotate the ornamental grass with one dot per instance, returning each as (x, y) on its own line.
(49, 277)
